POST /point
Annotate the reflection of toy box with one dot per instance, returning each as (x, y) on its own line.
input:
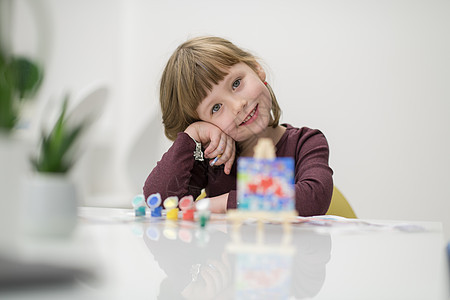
(265, 184)
(263, 269)
(262, 275)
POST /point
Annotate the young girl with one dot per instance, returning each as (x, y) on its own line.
(215, 105)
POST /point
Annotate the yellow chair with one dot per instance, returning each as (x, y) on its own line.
(339, 206)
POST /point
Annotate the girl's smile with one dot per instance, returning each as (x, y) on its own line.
(250, 117)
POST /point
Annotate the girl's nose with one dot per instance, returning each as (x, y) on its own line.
(239, 104)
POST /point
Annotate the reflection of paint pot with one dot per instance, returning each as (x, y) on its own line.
(185, 235)
(154, 200)
(137, 230)
(202, 236)
(170, 233)
(153, 233)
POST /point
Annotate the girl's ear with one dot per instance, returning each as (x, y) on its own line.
(261, 73)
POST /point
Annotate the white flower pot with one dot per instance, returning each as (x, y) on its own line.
(13, 166)
(50, 206)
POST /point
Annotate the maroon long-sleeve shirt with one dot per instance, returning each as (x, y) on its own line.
(178, 174)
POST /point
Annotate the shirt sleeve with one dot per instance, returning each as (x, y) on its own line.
(232, 201)
(177, 173)
(313, 176)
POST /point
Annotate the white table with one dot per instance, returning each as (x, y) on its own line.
(143, 258)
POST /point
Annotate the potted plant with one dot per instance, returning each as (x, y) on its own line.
(51, 201)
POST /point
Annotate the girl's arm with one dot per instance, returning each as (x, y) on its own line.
(177, 173)
(313, 176)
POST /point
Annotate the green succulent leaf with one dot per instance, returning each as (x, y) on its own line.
(56, 152)
(8, 109)
(20, 78)
(28, 76)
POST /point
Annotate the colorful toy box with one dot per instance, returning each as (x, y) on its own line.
(265, 185)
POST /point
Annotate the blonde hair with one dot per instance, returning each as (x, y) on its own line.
(191, 72)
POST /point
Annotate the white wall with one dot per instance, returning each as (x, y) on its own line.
(372, 75)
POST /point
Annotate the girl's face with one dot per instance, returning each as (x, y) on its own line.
(240, 104)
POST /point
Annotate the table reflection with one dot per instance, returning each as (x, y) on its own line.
(218, 263)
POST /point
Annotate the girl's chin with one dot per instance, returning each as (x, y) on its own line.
(249, 132)
(242, 133)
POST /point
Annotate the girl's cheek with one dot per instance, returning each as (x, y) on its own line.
(228, 132)
(227, 126)
(231, 132)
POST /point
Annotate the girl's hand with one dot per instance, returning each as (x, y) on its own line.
(216, 142)
(218, 204)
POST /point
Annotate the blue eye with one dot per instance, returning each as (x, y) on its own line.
(216, 108)
(236, 83)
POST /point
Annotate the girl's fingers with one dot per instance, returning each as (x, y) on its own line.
(229, 160)
(216, 145)
(220, 149)
(228, 165)
(228, 149)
